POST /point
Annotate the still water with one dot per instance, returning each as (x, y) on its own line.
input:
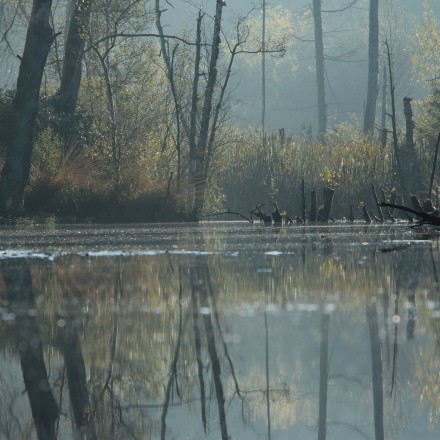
(218, 331)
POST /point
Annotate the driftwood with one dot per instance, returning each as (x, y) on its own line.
(425, 217)
(228, 212)
(264, 218)
(277, 217)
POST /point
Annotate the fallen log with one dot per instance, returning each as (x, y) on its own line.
(425, 218)
(228, 212)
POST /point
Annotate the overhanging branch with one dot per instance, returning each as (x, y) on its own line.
(139, 35)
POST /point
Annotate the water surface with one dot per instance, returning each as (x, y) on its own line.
(219, 330)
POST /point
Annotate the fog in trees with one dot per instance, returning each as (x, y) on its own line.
(158, 97)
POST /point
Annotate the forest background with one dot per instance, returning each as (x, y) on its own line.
(186, 108)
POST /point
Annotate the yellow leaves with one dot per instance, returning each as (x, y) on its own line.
(281, 25)
(330, 177)
(426, 59)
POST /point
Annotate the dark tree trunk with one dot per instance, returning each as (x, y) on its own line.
(200, 177)
(383, 120)
(200, 282)
(324, 212)
(410, 161)
(313, 204)
(198, 342)
(172, 375)
(18, 281)
(396, 149)
(320, 74)
(263, 70)
(67, 96)
(77, 381)
(303, 200)
(323, 376)
(15, 173)
(373, 67)
(376, 368)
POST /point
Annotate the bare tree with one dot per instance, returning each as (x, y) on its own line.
(205, 105)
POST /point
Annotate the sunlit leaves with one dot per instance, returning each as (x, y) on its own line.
(426, 58)
(281, 25)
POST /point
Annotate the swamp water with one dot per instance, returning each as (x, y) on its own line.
(219, 330)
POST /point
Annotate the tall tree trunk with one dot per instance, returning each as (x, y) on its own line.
(320, 74)
(111, 107)
(373, 68)
(15, 173)
(410, 160)
(383, 118)
(194, 112)
(67, 96)
(396, 149)
(200, 177)
(180, 115)
(263, 70)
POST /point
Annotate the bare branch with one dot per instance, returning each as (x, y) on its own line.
(342, 9)
(139, 35)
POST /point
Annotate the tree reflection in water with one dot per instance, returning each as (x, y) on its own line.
(18, 282)
(177, 346)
